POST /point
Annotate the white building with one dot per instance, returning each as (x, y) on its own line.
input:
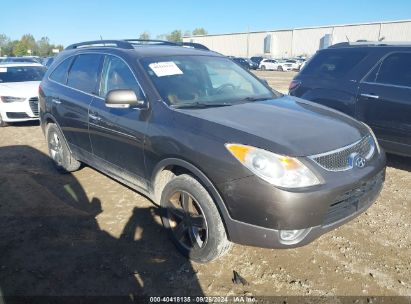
(301, 41)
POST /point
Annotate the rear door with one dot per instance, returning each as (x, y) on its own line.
(117, 134)
(384, 100)
(70, 105)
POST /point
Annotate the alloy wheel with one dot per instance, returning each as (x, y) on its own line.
(56, 148)
(187, 221)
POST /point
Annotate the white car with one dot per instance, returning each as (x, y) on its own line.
(19, 86)
(294, 64)
(273, 64)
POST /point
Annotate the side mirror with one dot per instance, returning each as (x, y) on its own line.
(123, 99)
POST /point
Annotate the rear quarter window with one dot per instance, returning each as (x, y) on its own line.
(60, 72)
(333, 64)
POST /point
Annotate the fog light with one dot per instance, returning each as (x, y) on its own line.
(291, 235)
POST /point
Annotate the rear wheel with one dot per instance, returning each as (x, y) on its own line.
(280, 68)
(2, 122)
(263, 68)
(192, 220)
(59, 151)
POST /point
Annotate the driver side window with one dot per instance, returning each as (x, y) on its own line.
(117, 75)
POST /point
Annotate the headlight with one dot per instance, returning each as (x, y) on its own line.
(278, 170)
(377, 145)
(8, 99)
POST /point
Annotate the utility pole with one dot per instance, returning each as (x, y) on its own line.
(248, 42)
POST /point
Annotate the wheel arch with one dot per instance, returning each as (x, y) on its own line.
(178, 166)
(47, 119)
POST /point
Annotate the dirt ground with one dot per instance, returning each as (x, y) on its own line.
(86, 234)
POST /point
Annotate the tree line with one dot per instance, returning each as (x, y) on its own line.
(27, 45)
(174, 36)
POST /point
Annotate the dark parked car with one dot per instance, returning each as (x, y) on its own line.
(19, 59)
(245, 62)
(257, 59)
(47, 61)
(252, 65)
(368, 81)
(226, 158)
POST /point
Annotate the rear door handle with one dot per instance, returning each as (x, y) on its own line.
(372, 96)
(55, 100)
(94, 117)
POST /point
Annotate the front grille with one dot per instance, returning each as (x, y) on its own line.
(16, 115)
(34, 105)
(354, 200)
(341, 159)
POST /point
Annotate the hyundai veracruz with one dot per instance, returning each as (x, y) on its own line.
(226, 158)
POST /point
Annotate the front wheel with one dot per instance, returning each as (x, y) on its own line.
(192, 220)
(263, 68)
(280, 68)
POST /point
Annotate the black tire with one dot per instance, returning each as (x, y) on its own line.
(280, 68)
(58, 150)
(2, 122)
(201, 238)
(263, 68)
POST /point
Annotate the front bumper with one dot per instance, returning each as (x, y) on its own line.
(20, 111)
(259, 211)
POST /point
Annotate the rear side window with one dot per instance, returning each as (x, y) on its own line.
(117, 75)
(83, 74)
(333, 64)
(60, 73)
(396, 70)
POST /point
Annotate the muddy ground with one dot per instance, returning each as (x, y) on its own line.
(86, 234)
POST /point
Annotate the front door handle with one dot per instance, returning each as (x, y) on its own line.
(372, 96)
(55, 100)
(94, 117)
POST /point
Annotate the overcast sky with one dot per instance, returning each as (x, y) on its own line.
(69, 21)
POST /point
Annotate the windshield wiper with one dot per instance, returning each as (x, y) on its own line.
(200, 105)
(250, 98)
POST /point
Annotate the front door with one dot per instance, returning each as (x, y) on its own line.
(117, 134)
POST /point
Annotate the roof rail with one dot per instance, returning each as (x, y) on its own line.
(194, 45)
(149, 41)
(369, 43)
(98, 43)
(131, 43)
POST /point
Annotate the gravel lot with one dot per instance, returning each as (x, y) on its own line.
(86, 234)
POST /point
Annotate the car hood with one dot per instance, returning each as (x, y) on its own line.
(286, 125)
(20, 89)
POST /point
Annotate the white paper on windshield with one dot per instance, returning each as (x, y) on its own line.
(166, 68)
(3, 70)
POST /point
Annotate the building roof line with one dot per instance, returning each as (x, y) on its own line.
(300, 28)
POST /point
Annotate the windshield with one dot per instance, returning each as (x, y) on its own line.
(203, 80)
(21, 73)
